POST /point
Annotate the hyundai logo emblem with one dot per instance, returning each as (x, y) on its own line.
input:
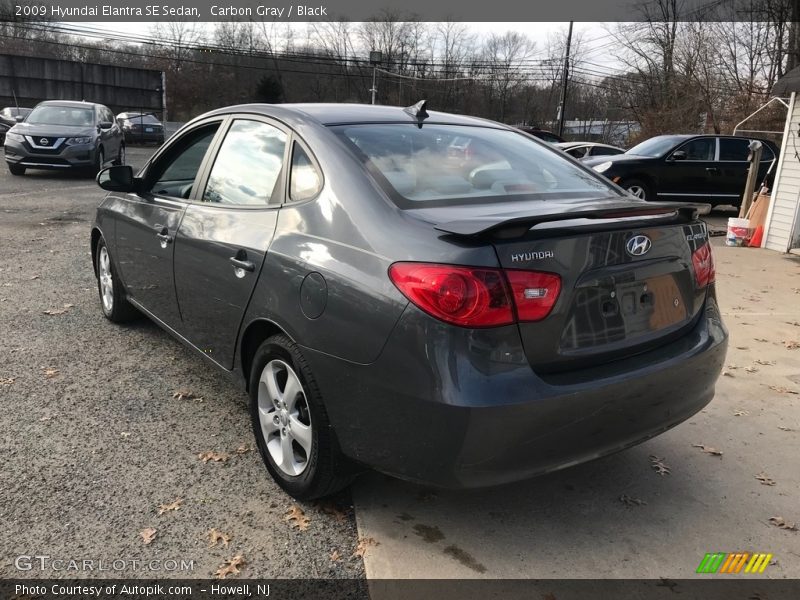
(44, 141)
(638, 245)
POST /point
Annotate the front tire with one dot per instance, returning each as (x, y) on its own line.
(114, 304)
(16, 169)
(290, 423)
(99, 161)
(120, 160)
(637, 188)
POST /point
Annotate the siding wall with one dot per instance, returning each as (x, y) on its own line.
(786, 195)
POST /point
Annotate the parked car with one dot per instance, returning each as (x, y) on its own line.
(141, 128)
(10, 116)
(447, 323)
(60, 134)
(581, 150)
(542, 134)
(695, 168)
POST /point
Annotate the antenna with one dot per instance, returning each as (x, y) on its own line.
(15, 99)
(418, 111)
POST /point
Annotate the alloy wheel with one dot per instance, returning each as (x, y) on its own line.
(106, 280)
(637, 190)
(284, 417)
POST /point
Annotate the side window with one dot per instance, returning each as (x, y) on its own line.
(305, 181)
(248, 166)
(578, 152)
(733, 149)
(700, 149)
(603, 151)
(174, 174)
(767, 154)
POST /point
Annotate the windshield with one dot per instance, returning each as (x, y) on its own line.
(61, 115)
(437, 165)
(654, 147)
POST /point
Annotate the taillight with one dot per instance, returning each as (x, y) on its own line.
(475, 296)
(464, 296)
(703, 263)
(534, 293)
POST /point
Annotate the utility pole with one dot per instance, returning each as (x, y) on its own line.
(375, 58)
(562, 106)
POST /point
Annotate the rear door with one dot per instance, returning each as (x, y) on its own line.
(226, 231)
(147, 222)
(733, 168)
(695, 177)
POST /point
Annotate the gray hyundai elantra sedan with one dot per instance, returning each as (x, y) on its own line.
(441, 298)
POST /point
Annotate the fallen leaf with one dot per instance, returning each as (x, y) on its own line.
(782, 524)
(782, 390)
(740, 413)
(244, 448)
(764, 480)
(7, 380)
(297, 518)
(125, 434)
(791, 344)
(215, 536)
(708, 449)
(174, 505)
(764, 362)
(210, 455)
(751, 369)
(34, 277)
(148, 535)
(782, 428)
(363, 545)
(658, 465)
(742, 348)
(50, 372)
(185, 395)
(728, 374)
(53, 312)
(331, 509)
(761, 339)
(230, 567)
(732, 367)
(630, 501)
(793, 323)
(335, 556)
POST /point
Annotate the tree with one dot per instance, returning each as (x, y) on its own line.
(269, 90)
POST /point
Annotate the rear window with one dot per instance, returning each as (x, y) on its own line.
(149, 119)
(455, 164)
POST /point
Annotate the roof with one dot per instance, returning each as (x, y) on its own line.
(787, 84)
(336, 114)
(69, 103)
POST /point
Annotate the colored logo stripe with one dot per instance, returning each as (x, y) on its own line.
(723, 562)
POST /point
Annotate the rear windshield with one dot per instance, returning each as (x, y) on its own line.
(61, 115)
(438, 165)
(148, 119)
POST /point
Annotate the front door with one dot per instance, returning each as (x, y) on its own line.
(224, 236)
(690, 176)
(147, 223)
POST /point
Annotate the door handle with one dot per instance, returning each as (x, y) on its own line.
(163, 235)
(712, 169)
(245, 265)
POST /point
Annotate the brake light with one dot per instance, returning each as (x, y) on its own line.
(703, 263)
(475, 296)
(464, 296)
(534, 293)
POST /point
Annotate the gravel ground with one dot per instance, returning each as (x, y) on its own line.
(94, 442)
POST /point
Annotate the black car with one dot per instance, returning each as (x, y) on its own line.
(449, 317)
(542, 134)
(695, 168)
(141, 128)
(62, 134)
(10, 116)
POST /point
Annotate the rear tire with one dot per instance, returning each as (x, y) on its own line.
(16, 169)
(113, 303)
(291, 426)
(99, 161)
(120, 160)
(637, 188)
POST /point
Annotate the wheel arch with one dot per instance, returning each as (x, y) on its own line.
(254, 335)
(96, 235)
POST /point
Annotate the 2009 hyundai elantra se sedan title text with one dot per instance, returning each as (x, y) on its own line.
(438, 297)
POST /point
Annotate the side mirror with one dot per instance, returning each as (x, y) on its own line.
(19, 118)
(105, 124)
(118, 178)
(678, 155)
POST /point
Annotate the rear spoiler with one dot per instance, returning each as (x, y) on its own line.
(507, 226)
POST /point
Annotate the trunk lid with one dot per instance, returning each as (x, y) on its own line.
(627, 278)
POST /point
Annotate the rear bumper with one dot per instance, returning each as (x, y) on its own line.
(464, 409)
